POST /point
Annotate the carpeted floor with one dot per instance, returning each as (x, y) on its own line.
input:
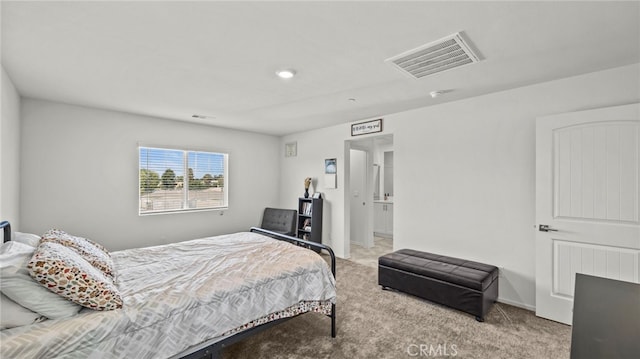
(375, 323)
(369, 256)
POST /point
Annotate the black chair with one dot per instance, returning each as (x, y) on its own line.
(280, 220)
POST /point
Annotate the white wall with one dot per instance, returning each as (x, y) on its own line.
(464, 178)
(313, 148)
(9, 152)
(80, 174)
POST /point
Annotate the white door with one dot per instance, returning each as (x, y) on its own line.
(359, 198)
(587, 181)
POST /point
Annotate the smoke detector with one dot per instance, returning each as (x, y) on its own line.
(435, 94)
(445, 54)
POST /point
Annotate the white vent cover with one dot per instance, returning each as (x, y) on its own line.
(445, 54)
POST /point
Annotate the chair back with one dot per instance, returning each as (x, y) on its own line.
(280, 220)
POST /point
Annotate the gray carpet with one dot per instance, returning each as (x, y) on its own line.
(373, 323)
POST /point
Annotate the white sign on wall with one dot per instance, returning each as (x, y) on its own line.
(363, 128)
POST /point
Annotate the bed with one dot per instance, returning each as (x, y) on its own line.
(189, 299)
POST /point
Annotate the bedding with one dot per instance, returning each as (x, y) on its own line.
(14, 315)
(179, 295)
(18, 285)
(26, 238)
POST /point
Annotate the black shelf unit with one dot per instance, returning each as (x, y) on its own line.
(310, 219)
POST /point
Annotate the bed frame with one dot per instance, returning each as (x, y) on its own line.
(6, 231)
(213, 349)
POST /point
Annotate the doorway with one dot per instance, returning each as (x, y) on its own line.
(369, 199)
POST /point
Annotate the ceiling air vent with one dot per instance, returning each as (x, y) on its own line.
(445, 54)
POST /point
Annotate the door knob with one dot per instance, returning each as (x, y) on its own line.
(546, 228)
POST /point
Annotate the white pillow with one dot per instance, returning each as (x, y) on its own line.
(26, 238)
(18, 285)
(14, 315)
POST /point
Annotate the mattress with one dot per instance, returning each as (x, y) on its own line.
(182, 294)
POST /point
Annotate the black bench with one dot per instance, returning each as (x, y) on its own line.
(471, 287)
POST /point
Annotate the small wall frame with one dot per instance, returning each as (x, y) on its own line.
(330, 173)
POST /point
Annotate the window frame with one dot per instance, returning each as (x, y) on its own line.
(185, 195)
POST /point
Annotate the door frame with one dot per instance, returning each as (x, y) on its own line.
(364, 144)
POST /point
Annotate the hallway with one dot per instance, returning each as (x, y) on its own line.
(369, 256)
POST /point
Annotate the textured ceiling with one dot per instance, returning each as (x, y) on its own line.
(176, 59)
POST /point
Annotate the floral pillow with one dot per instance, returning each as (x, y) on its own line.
(63, 271)
(94, 253)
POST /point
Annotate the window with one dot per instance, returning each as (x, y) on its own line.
(164, 187)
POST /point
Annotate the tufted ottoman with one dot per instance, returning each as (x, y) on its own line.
(471, 287)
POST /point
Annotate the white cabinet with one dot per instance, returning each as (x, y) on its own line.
(383, 219)
(388, 218)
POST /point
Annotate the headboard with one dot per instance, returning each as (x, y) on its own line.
(6, 231)
(280, 220)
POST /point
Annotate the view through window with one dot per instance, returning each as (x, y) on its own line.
(178, 180)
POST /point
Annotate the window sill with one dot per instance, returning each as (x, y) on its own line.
(156, 213)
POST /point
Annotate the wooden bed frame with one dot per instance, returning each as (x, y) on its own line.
(213, 349)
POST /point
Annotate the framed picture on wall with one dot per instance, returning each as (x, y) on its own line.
(330, 173)
(330, 166)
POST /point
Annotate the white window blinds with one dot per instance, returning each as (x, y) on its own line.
(179, 180)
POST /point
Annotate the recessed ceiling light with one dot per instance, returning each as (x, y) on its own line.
(286, 74)
(352, 100)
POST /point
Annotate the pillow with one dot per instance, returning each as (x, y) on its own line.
(26, 238)
(14, 315)
(91, 251)
(63, 271)
(18, 285)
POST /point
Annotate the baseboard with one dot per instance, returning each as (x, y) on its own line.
(383, 235)
(517, 304)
